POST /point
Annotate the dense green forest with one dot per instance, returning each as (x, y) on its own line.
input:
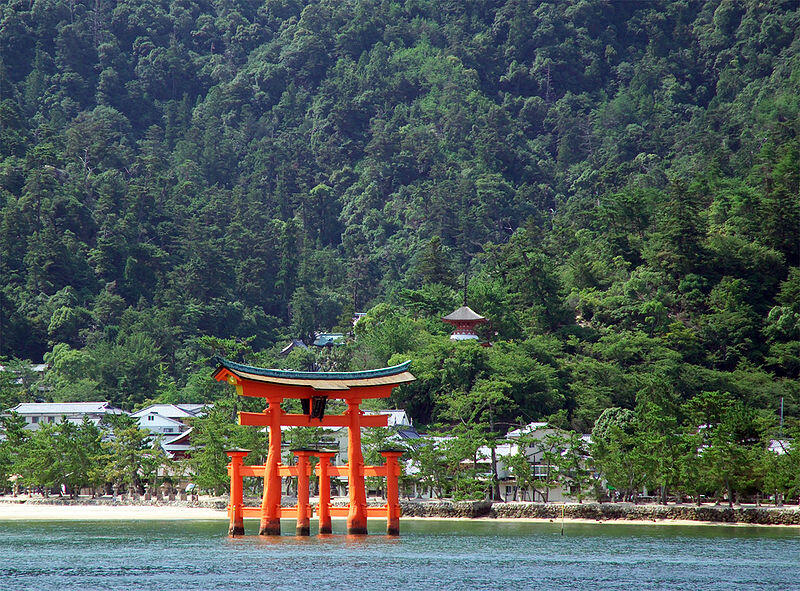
(619, 182)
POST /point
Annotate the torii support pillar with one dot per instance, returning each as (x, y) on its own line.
(237, 495)
(392, 457)
(357, 517)
(271, 501)
(324, 509)
(303, 507)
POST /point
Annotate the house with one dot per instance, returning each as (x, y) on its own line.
(178, 447)
(39, 413)
(160, 425)
(537, 440)
(397, 417)
(35, 368)
(183, 413)
(173, 423)
(530, 428)
(328, 339)
(27, 374)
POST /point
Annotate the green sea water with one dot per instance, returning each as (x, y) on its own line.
(436, 555)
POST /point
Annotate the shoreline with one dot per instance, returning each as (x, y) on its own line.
(48, 512)
(37, 509)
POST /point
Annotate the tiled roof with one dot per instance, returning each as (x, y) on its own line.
(325, 339)
(463, 314)
(65, 408)
(313, 375)
(166, 410)
(529, 428)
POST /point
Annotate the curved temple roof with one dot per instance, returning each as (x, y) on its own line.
(464, 314)
(319, 380)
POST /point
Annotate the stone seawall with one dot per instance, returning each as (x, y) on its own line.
(484, 509)
(604, 512)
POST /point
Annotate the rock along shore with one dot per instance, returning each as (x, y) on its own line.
(487, 510)
(604, 512)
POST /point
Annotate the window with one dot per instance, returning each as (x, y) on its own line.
(150, 417)
(34, 419)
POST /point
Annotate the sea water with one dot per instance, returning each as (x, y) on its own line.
(437, 555)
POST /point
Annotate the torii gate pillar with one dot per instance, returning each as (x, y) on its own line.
(357, 517)
(237, 494)
(271, 501)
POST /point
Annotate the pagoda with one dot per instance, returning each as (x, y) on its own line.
(465, 320)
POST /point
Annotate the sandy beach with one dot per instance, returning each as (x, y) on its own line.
(16, 511)
(41, 512)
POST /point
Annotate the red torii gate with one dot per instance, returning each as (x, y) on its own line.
(313, 389)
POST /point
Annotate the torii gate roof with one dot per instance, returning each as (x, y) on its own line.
(317, 380)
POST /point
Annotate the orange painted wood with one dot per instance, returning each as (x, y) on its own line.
(270, 512)
(252, 512)
(255, 512)
(344, 471)
(257, 471)
(303, 508)
(236, 526)
(357, 518)
(392, 470)
(324, 507)
(291, 512)
(266, 390)
(283, 471)
(259, 419)
(370, 511)
(271, 501)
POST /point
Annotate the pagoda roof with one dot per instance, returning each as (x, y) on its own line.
(464, 314)
(319, 380)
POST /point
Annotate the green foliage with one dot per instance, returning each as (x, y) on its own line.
(212, 435)
(619, 186)
(127, 452)
(16, 437)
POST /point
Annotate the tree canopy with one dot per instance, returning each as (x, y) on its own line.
(616, 182)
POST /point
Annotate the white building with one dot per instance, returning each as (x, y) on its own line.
(397, 417)
(182, 413)
(39, 413)
(172, 422)
(160, 425)
(536, 437)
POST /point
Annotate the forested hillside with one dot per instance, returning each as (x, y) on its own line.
(619, 180)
